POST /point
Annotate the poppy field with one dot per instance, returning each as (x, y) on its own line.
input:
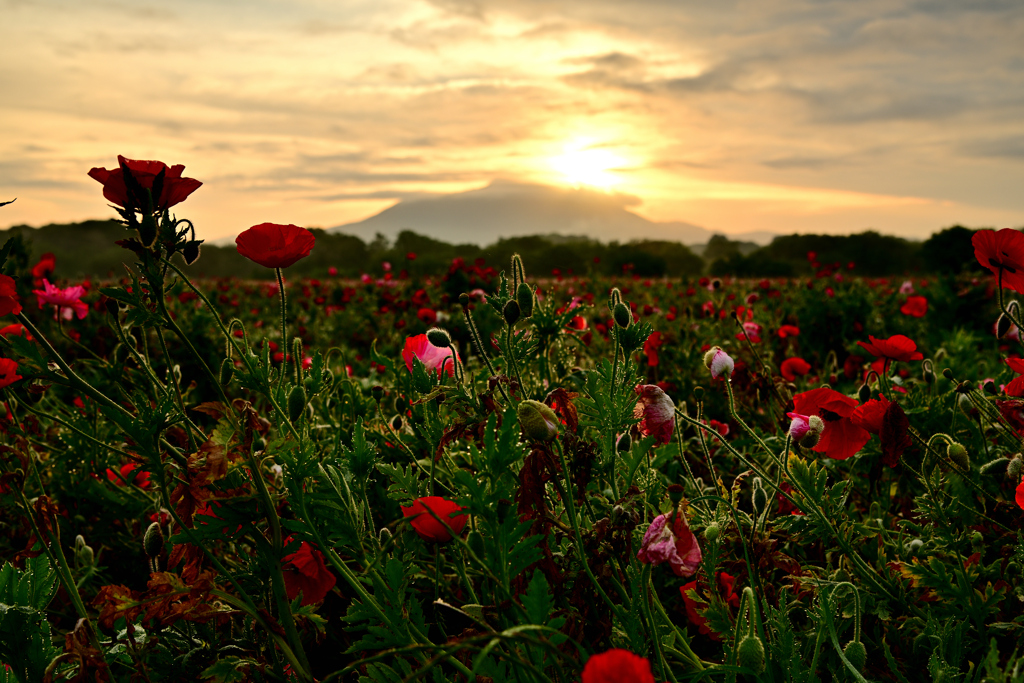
(491, 474)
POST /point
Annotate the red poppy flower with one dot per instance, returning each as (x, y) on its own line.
(1019, 497)
(616, 666)
(174, 189)
(9, 302)
(896, 347)
(68, 301)
(15, 330)
(427, 316)
(427, 526)
(45, 267)
(915, 306)
(792, 367)
(141, 479)
(841, 437)
(275, 246)
(669, 539)
(726, 584)
(304, 571)
(1016, 385)
(434, 357)
(788, 331)
(8, 372)
(869, 415)
(1002, 250)
(651, 347)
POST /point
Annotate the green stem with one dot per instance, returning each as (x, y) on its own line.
(284, 336)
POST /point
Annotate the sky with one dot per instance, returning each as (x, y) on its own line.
(825, 116)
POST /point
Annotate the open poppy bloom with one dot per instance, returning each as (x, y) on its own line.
(841, 438)
(792, 367)
(657, 412)
(669, 539)
(788, 331)
(173, 189)
(304, 571)
(275, 246)
(434, 357)
(47, 264)
(1002, 251)
(915, 306)
(616, 666)
(726, 586)
(140, 479)
(66, 300)
(897, 347)
(429, 528)
(8, 372)
(15, 330)
(1019, 495)
(9, 302)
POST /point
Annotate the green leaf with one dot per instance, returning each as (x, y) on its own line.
(537, 599)
(228, 670)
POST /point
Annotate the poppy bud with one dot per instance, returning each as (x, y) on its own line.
(538, 420)
(958, 454)
(977, 542)
(1013, 469)
(856, 653)
(624, 443)
(623, 316)
(396, 423)
(113, 308)
(227, 370)
(464, 299)
(1002, 326)
(525, 298)
(511, 312)
(377, 392)
(614, 298)
(719, 362)
(384, 536)
(864, 393)
(750, 653)
(84, 555)
(716, 284)
(296, 403)
(190, 252)
(153, 540)
(698, 394)
(929, 376)
(475, 542)
(712, 532)
(915, 546)
(439, 337)
(948, 374)
(759, 499)
(675, 493)
(995, 466)
(401, 404)
(989, 388)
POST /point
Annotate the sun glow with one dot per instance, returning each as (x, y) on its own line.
(593, 167)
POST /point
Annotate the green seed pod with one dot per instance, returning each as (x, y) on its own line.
(538, 420)
(511, 312)
(750, 653)
(153, 541)
(623, 316)
(464, 299)
(675, 493)
(525, 299)
(712, 532)
(227, 371)
(439, 337)
(296, 403)
(958, 454)
(856, 653)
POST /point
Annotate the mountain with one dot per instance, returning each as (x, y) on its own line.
(511, 209)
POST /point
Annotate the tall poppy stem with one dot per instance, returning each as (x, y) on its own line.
(284, 327)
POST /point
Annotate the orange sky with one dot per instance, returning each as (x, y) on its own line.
(780, 115)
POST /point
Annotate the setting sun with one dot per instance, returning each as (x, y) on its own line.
(591, 167)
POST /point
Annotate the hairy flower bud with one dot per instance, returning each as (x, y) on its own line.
(1013, 469)
(439, 337)
(624, 443)
(623, 316)
(759, 499)
(227, 371)
(296, 403)
(712, 532)
(864, 393)
(675, 493)
(376, 392)
(538, 420)
(401, 404)
(396, 423)
(511, 312)
(464, 299)
(384, 536)
(719, 362)
(958, 454)
(750, 653)
(856, 653)
(525, 299)
(153, 540)
(1003, 324)
(999, 465)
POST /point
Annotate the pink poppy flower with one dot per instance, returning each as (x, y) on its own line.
(66, 300)
(435, 358)
(656, 411)
(669, 539)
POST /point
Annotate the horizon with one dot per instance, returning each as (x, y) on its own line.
(782, 117)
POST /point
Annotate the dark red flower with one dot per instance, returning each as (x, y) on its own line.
(869, 415)
(1016, 385)
(8, 372)
(1002, 250)
(651, 347)
(275, 246)
(895, 434)
(726, 584)
(304, 571)
(45, 267)
(792, 367)
(896, 347)
(140, 479)
(173, 190)
(427, 526)
(841, 437)
(915, 306)
(9, 302)
(617, 666)
(788, 331)
(1019, 495)
(427, 316)
(15, 330)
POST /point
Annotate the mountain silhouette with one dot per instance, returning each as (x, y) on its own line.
(507, 208)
